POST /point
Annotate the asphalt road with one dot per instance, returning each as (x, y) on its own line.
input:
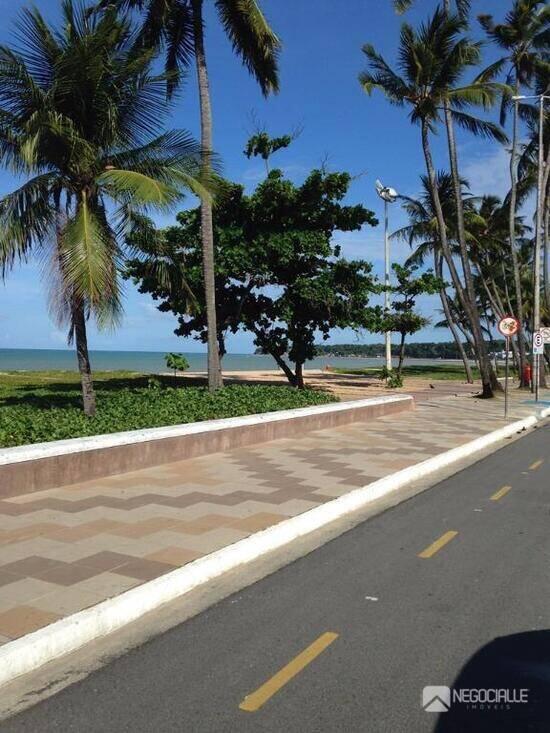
(346, 638)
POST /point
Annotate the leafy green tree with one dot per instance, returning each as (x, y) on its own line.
(177, 27)
(404, 319)
(260, 144)
(524, 36)
(177, 362)
(79, 111)
(432, 62)
(278, 275)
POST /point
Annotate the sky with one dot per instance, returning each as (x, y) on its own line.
(320, 94)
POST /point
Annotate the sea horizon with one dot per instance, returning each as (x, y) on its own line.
(153, 361)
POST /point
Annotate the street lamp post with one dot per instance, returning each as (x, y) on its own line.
(388, 196)
(538, 233)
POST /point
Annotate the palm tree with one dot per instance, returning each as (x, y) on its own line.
(79, 109)
(522, 36)
(177, 26)
(431, 63)
(422, 232)
(462, 6)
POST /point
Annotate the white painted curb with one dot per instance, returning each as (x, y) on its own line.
(33, 650)
(37, 451)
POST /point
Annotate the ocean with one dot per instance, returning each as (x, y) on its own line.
(153, 361)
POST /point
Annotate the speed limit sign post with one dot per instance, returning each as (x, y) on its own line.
(508, 326)
(538, 349)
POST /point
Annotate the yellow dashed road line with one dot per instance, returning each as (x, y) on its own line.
(256, 699)
(438, 544)
(500, 493)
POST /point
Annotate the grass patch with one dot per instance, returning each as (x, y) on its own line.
(41, 406)
(451, 372)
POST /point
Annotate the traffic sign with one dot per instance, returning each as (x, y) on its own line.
(545, 334)
(538, 343)
(508, 326)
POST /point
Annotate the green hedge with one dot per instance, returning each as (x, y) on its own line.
(38, 413)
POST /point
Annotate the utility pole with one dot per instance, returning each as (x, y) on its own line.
(538, 234)
(388, 195)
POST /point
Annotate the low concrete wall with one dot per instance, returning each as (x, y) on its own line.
(29, 468)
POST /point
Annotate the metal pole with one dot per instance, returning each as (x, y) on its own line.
(507, 347)
(536, 283)
(387, 284)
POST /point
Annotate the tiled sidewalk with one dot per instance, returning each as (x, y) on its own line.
(65, 549)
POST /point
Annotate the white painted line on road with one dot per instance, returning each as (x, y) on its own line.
(68, 634)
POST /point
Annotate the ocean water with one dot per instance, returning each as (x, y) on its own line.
(153, 361)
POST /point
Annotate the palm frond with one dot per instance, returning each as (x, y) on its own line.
(252, 39)
(480, 128)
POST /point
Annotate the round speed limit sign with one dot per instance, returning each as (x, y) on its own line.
(508, 326)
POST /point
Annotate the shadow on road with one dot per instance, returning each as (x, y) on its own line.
(517, 662)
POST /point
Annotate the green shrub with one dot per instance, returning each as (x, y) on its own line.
(44, 412)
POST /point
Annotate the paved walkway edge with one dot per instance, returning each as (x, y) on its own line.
(68, 634)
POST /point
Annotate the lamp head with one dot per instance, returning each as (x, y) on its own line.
(385, 192)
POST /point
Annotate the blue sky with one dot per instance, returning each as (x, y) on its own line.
(320, 93)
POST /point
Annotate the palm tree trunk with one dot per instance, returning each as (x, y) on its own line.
(401, 353)
(512, 235)
(215, 380)
(438, 268)
(487, 386)
(83, 357)
(475, 319)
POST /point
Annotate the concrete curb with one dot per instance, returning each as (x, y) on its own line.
(54, 448)
(68, 634)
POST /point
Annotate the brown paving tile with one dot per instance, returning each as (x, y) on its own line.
(33, 566)
(6, 578)
(174, 555)
(23, 619)
(143, 569)
(69, 574)
(103, 561)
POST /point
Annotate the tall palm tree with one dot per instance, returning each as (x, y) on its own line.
(432, 61)
(177, 26)
(422, 232)
(523, 35)
(79, 109)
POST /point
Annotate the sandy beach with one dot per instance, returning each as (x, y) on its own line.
(346, 386)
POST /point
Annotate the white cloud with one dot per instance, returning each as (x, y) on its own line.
(488, 173)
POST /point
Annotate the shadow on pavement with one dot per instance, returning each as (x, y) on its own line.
(517, 662)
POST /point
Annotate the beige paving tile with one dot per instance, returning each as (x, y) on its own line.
(66, 601)
(107, 585)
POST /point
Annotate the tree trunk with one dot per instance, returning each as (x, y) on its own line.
(512, 235)
(215, 380)
(289, 374)
(438, 267)
(475, 319)
(81, 341)
(546, 255)
(401, 353)
(487, 381)
(299, 370)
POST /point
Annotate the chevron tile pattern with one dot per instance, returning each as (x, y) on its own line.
(65, 549)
